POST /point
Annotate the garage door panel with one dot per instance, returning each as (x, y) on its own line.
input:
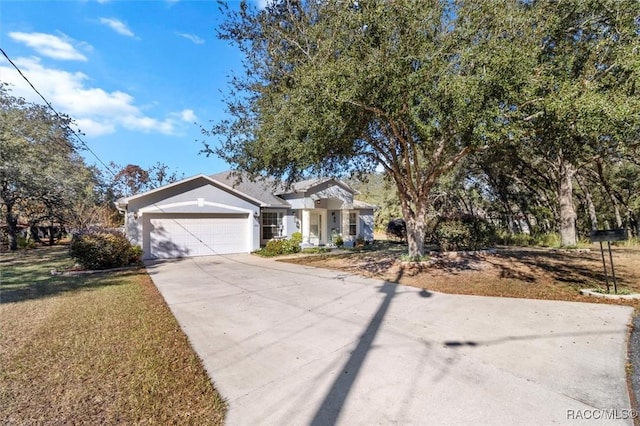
(171, 237)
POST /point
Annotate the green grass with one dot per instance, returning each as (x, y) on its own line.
(315, 250)
(94, 349)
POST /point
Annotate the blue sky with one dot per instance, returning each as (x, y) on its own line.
(134, 75)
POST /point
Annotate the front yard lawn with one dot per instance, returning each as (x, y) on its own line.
(94, 349)
(536, 273)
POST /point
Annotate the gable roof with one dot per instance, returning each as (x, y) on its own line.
(122, 202)
(306, 185)
(263, 190)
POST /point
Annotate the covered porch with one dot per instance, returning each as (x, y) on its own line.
(328, 219)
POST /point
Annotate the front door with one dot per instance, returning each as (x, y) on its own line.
(315, 228)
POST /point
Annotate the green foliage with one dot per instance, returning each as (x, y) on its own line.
(25, 243)
(135, 254)
(464, 233)
(332, 87)
(397, 230)
(296, 238)
(42, 174)
(133, 179)
(279, 247)
(516, 239)
(339, 242)
(379, 190)
(316, 250)
(551, 239)
(103, 249)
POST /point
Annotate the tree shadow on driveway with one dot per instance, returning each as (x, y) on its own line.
(333, 402)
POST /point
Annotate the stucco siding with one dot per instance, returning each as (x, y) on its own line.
(366, 224)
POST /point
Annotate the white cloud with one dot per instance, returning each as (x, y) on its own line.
(117, 26)
(149, 125)
(194, 38)
(93, 127)
(50, 45)
(96, 111)
(188, 115)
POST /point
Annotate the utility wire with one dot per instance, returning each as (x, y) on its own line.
(84, 144)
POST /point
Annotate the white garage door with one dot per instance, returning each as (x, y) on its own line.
(171, 237)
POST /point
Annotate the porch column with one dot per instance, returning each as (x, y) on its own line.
(345, 225)
(306, 222)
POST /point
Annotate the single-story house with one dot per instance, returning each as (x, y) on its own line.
(207, 215)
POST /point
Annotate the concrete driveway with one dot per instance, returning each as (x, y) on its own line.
(294, 345)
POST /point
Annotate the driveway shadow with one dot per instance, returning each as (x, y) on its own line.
(333, 402)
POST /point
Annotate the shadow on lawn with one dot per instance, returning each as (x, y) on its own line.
(572, 269)
(12, 292)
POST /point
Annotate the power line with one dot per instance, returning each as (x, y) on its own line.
(84, 144)
(89, 149)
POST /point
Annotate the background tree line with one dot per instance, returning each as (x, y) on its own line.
(46, 183)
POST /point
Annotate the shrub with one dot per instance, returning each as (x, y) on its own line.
(135, 254)
(518, 239)
(548, 240)
(463, 233)
(339, 242)
(397, 230)
(26, 243)
(280, 247)
(296, 238)
(103, 249)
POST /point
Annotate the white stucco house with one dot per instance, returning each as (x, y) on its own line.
(207, 215)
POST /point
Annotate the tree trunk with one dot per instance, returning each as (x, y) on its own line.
(607, 188)
(416, 229)
(567, 212)
(12, 228)
(591, 208)
(616, 210)
(415, 218)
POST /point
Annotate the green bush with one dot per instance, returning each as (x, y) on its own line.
(548, 240)
(26, 243)
(339, 242)
(463, 233)
(135, 254)
(280, 247)
(518, 239)
(296, 238)
(103, 249)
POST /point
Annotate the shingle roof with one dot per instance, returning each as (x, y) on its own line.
(262, 190)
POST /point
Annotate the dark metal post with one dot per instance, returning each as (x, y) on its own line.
(613, 272)
(604, 265)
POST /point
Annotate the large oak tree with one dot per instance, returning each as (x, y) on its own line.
(42, 175)
(331, 87)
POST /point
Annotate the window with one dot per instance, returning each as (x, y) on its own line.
(271, 225)
(353, 224)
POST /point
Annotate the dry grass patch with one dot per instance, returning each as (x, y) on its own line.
(94, 349)
(511, 272)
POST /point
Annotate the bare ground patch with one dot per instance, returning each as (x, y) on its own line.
(510, 272)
